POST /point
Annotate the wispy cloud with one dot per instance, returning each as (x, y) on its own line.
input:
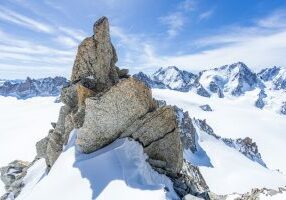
(206, 15)
(275, 20)
(13, 17)
(174, 23)
(250, 44)
(188, 5)
(28, 54)
(75, 33)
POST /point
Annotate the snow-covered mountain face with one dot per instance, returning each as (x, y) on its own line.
(174, 78)
(235, 80)
(23, 89)
(275, 76)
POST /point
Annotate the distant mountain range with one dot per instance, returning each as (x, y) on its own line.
(23, 89)
(229, 80)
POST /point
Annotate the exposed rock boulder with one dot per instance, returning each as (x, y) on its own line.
(122, 73)
(168, 149)
(69, 96)
(108, 115)
(12, 176)
(188, 132)
(54, 147)
(41, 147)
(83, 93)
(153, 126)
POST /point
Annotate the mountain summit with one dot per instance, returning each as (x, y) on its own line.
(106, 123)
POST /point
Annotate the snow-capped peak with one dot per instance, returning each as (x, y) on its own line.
(174, 78)
(234, 79)
(274, 75)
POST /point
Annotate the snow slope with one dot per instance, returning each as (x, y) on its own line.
(234, 117)
(22, 124)
(117, 171)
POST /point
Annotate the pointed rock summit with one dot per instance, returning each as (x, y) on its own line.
(96, 58)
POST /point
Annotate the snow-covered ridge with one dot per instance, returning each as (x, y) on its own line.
(121, 171)
(23, 89)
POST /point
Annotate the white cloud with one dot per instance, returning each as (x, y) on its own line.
(11, 16)
(275, 20)
(257, 46)
(26, 55)
(174, 23)
(188, 5)
(206, 15)
(66, 41)
(75, 33)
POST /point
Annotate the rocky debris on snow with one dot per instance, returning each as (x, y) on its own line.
(283, 108)
(206, 108)
(12, 176)
(23, 89)
(260, 103)
(245, 146)
(257, 193)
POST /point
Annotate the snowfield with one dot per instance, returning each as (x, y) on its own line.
(22, 124)
(121, 166)
(236, 117)
(117, 171)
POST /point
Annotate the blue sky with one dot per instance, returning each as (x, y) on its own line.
(40, 38)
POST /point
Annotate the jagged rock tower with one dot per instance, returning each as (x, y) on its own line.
(104, 103)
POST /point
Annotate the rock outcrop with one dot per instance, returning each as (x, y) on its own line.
(107, 115)
(283, 108)
(206, 108)
(96, 58)
(260, 103)
(12, 176)
(104, 103)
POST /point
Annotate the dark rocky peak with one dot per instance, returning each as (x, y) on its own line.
(148, 81)
(23, 89)
(276, 75)
(269, 73)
